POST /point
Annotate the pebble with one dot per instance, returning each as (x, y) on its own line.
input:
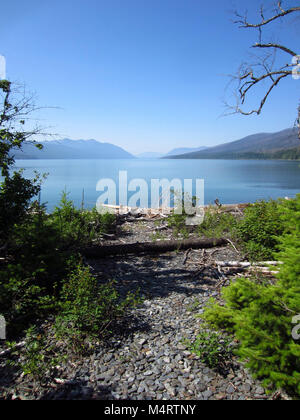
(154, 362)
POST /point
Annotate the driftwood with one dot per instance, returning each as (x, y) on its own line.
(151, 247)
(263, 267)
(246, 264)
(4, 353)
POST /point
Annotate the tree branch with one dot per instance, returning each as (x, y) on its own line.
(268, 67)
(245, 24)
(280, 47)
(274, 84)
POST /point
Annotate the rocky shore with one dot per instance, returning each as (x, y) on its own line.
(149, 358)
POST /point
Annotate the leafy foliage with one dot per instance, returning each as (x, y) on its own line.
(217, 224)
(16, 192)
(211, 348)
(260, 314)
(39, 358)
(88, 310)
(79, 227)
(178, 224)
(41, 247)
(259, 229)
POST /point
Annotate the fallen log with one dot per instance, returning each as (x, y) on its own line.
(151, 247)
(246, 264)
(263, 266)
(4, 353)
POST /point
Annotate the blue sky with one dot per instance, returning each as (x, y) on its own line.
(147, 75)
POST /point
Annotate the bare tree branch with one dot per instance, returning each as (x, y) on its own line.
(274, 84)
(282, 13)
(280, 47)
(267, 67)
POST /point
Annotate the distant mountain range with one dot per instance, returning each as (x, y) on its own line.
(173, 152)
(257, 146)
(150, 155)
(72, 149)
(184, 150)
(280, 145)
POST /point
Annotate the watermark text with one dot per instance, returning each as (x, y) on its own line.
(296, 67)
(181, 196)
(2, 67)
(296, 329)
(2, 328)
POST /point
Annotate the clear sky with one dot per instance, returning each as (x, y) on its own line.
(147, 75)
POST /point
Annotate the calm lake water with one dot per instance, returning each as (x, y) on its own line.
(232, 181)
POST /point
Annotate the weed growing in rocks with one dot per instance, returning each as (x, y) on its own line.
(217, 224)
(89, 311)
(212, 349)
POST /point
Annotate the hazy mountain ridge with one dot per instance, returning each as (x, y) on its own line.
(173, 152)
(283, 144)
(183, 150)
(256, 146)
(73, 149)
(150, 155)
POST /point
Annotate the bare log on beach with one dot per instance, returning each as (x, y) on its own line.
(263, 266)
(246, 264)
(151, 247)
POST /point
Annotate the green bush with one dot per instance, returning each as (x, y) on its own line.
(260, 313)
(16, 193)
(177, 222)
(217, 224)
(28, 283)
(290, 243)
(38, 358)
(22, 299)
(212, 349)
(41, 247)
(259, 229)
(79, 227)
(89, 310)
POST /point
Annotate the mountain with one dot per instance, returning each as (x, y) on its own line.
(183, 150)
(72, 149)
(173, 152)
(257, 146)
(150, 155)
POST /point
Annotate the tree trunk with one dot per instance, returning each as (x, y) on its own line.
(151, 247)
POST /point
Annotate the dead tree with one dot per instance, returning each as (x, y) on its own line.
(268, 67)
(102, 251)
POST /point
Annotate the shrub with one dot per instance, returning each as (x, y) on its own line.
(38, 359)
(178, 224)
(217, 224)
(290, 243)
(41, 247)
(79, 227)
(260, 314)
(211, 348)
(22, 299)
(16, 193)
(89, 310)
(259, 228)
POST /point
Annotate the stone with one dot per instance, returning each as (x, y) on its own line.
(260, 390)
(230, 389)
(207, 394)
(148, 373)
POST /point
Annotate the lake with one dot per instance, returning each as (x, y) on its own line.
(231, 181)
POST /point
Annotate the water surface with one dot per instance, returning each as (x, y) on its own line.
(231, 181)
